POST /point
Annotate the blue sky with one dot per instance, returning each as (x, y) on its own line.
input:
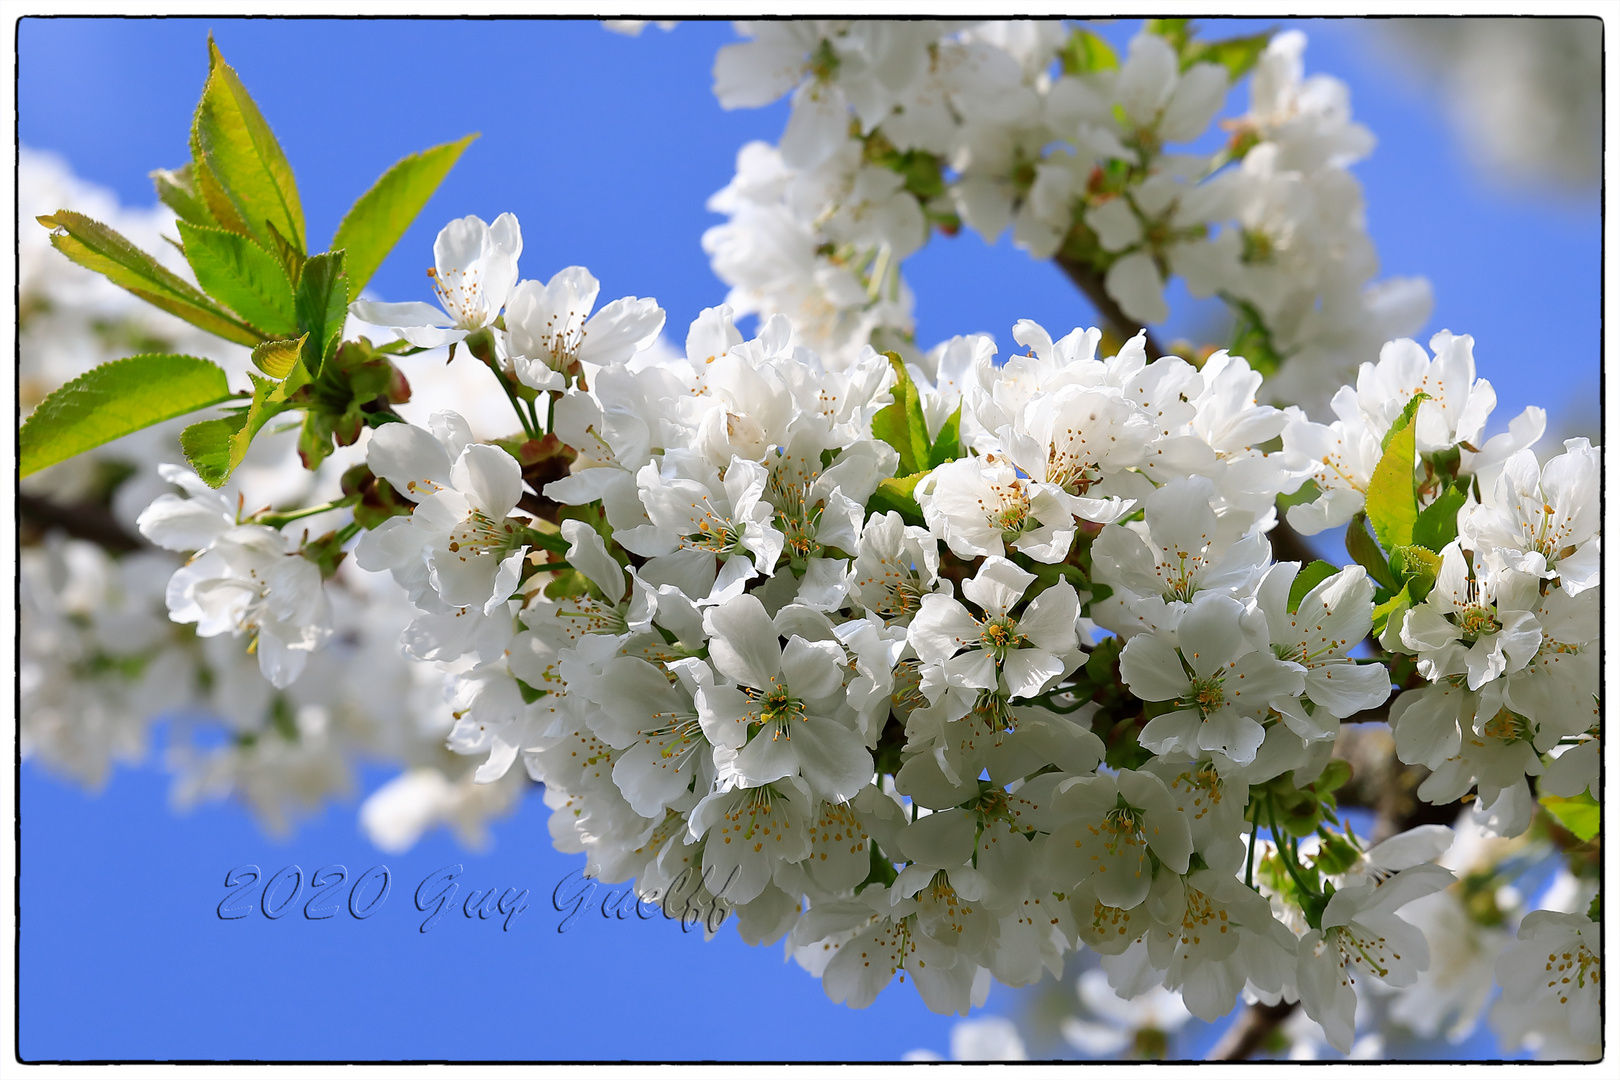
(606, 149)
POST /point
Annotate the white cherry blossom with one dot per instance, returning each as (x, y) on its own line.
(475, 267)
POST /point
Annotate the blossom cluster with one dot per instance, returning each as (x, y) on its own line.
(898, 129)
(1502, 624)
(827, 641)
(101, 660)
(929, 664)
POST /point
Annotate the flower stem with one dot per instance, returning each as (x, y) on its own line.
(277, 520)
(482, 346)
(1286, 855)
(1254, 842)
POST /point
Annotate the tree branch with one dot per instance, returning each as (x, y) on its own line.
(1251, 1032)
(1381, 782)
(85, 521)
(1090, 282)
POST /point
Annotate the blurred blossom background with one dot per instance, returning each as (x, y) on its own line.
(606, 146)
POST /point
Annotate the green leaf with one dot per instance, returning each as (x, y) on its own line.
(178, 193)
(276, 358)
(1391, 495)
(1307, 579)
(241, 275)
(1417, 567)
(1335, 774)
(292, 260)
(230, 137)
(948, 446)
(380, 217)
(1085, 52)
(113, 400)
(216, 447)
(1178, 32)
(1335, 854)
(96, 247)
(901, 423)
(322, 302)
(214, 197)
(207, 446)
(1237, 55)
(897, 494)
(1362, 549)
(1404, 420)
(1387, 619)
(1436, 524)
(1581, 815)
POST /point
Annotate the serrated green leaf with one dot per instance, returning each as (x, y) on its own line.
(1237, 55)
(292, 260)
(176, 191)
(1391, 495)
(214, 197)
(96, 247)
(380, 217)
(1362, 549)
(948, 446)
(898, 494)
(276, 358)
(113, 400)
(216, 447)
(901, 423)
(322, 303)
(230, 137)
(1403, 421)
(207, 446)
(1308, 578)
(243, 276)
(1581, 815)
(1436, 524)
(1085, 52)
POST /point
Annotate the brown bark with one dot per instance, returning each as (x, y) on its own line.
(85, 521)
(1251, 1032)
(1090, 282)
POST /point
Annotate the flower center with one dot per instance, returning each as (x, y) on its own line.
(1071, 471)
(1121, 830)
(1205, 695)
(479, 535)
(777, 705)
(562, 343)
(460, 295)
(711, 532)
(1505, 726)
(1008, 510)
(595, 617)
(1200, 917)
(907, 693)
(1204, 785)
(1000, 636)
(1476, 620)
(1577, 965)
(753, 818)
(1353, 944)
